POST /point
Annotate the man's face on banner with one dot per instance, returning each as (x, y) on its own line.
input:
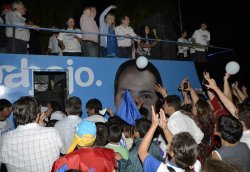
(141, 86)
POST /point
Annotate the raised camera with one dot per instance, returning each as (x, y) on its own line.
(185, 85)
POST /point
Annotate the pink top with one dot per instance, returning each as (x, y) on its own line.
(88, 24)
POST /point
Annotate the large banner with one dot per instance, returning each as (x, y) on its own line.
(87, 78)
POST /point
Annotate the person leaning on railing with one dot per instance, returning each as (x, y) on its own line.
(17, 37)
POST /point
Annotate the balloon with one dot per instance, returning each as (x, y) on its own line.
(141, 62)
(232, 67)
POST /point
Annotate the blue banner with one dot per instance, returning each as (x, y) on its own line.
(87, 78)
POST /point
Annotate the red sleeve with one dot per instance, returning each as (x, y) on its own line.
(85, 159)
(218, 108)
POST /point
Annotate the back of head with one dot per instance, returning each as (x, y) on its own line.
(245, 105)
(174, 101)
(16, 4)
(142, 126)
(187, 108)
(73, 106)
(244, 117)
(55, 106)
(230, 128)
(184, 148)
(116, 120)
(212, 165)
(5, 7)
(26, 110)
(84, 135)
(51, 123)
(115, 133)
(4, 103)
(204, 115)
(94, 104)
(102, 134)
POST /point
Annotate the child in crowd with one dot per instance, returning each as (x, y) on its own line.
(115, 135)
(102, 133)
(127, 135)
(134, 163)
(182, 149)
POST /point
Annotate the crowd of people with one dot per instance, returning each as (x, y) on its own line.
(100, 42)
(200, 131)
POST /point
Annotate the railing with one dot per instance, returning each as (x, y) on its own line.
(169, 42)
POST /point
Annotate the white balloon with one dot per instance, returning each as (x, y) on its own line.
(232, 67)
(141, 62)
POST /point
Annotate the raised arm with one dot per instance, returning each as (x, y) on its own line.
(163, 124)
(104, 13)
(161, 90)
(244, 90)
(224, 99)
(240, 93)
(146, 141)
(193, 93)
(227, 89)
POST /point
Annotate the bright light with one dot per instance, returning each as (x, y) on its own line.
(2, 90)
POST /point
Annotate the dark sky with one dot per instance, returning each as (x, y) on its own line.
(226, 21)
(227, 25)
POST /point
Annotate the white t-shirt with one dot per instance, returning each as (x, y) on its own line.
(124, 42)
(66, 128)
(71, 43)
(53, 45)
(191, 50)
(96, 118)
(179, 122)
(246, 138)
(201, 37)
(183, 49)
(57, 115)
(151, 164)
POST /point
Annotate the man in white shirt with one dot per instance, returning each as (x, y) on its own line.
(53, 47)
(31, 146)
(17, 37)
(201, 37)
(125, 44)
(93, 107)
(66, 127)
(179, 122)
(182, 50)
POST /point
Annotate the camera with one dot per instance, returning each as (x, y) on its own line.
(185, 85)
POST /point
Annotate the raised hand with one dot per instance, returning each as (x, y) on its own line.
(155, 118)
(163, 120)
(226, 76)
(40, 118)
(161, 90)
(113, 6)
